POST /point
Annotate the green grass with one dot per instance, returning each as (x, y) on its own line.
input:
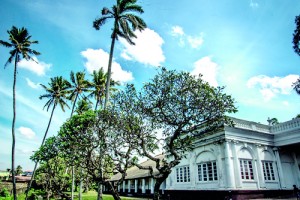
(91, 195)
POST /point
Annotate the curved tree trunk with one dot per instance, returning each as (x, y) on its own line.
(43, 141)
(158, 182)
(13, 131)
(114, 191)
(109, 69)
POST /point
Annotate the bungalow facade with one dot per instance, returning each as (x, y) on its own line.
(246, 161)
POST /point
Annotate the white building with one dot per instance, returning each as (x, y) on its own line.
(249, 159)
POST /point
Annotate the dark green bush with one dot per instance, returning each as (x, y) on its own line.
(4, 192)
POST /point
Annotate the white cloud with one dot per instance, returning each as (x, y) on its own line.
(26, 132)
(32, 84)
(269, 87)
(177, 31)
(37, 67)
(97, 58)
(183, 38)
(207, 68)
(147, 48)
(196, 41)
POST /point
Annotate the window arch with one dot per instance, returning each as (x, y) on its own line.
(267, 161)
(207, 167)
(246, 164)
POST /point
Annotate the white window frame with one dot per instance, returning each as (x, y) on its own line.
(183, 174)
(207, 171)
(268, 170)
(247, 171)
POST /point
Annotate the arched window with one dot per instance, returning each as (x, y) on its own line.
(267, 160)
(246, 164)
(207, 167)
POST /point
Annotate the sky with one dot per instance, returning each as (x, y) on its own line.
(244, 45)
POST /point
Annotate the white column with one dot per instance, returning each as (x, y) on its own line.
(143, 186)
(152, 185)
(193, 167)
(129, 186)
(279, 168)
(237, 170)
(260, 173)
(221, 167)
(296, 168)
(229, 166)
(135, 185)
(255, 171)
(119, 188)
(124, 185)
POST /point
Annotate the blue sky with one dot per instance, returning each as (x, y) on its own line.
(245, 45)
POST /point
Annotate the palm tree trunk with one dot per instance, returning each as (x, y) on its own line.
(43, 141)
(73, 107)
(13, 131)
(109, 69)
(73, 174)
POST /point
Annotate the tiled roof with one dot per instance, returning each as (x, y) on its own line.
(134, 172)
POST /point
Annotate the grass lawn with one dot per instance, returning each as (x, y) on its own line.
(91, 195)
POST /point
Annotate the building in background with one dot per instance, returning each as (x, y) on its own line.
(245, 161)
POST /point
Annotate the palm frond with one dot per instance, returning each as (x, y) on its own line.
(6, 44)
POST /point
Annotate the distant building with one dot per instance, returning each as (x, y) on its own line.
(248, 160)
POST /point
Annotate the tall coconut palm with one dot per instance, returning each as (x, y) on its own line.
(19, 42)
(57, 94)
(98, 86)
(79, 85)
(125, 23)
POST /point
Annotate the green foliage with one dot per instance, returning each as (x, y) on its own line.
(296, 86)
(296, 36)
(19, 170)
(34, 194)
(4, 192)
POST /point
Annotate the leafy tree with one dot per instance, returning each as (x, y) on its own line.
(125, 23)
(52, 174)
(296, 46)
(56, 93)
(182, 107)
(273, 121)
(296, 36)
(19, 41)
(296, 86)
(19, 170)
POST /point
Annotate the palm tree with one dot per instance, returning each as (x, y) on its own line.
(83, 105)
(79, 85)
(125, 23)
(19, 41)
(56, 93)
(98, 85)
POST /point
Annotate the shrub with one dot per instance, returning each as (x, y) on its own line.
(4, 192)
